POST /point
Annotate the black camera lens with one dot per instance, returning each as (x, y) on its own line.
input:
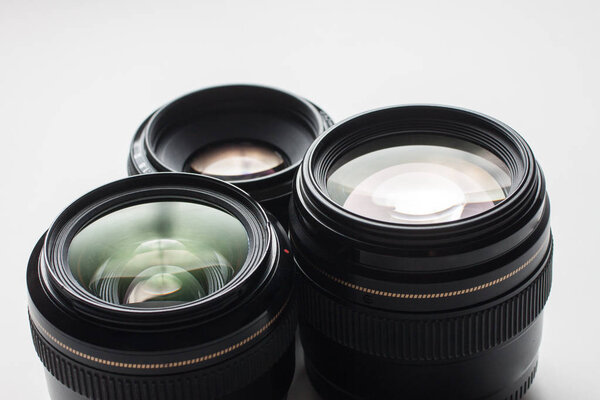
(164, 286)
(252, 136)
(424, 250)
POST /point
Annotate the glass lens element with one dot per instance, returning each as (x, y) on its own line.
(420, 184)
(236, 160)
(158, 254)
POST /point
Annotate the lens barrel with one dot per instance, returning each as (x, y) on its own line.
(449, 309)
(252, 136)
(233, 342)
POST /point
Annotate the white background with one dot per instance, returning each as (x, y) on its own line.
(77, 78)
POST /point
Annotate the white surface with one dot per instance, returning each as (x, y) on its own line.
(78, 77)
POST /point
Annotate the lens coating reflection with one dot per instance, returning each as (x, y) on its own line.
(158, 254)
(236, 160)
(420, 184)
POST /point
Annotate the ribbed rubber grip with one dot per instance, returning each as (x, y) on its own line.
(417, 338)
(204, 383)
(521, 391)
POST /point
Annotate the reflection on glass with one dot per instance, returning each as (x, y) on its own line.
(158, 254)
(420, 184)
(236, 160)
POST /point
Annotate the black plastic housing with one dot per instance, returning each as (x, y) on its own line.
(237, 343)
(449, 310)
(290, 123)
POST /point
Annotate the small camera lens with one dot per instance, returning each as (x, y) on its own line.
(252, 136)
(423, 242)
(164, 286)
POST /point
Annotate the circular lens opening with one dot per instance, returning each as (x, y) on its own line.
(237, 132)
(423, 180)
(158, 254)
(237, 160)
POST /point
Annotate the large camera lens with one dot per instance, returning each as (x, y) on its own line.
(423, 243)
(252, 136)
(164, 286)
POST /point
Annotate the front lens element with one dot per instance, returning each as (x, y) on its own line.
(420, 183)
(236, 160)
(158, 254)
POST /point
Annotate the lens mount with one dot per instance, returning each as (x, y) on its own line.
(126, 193)
(206, 340)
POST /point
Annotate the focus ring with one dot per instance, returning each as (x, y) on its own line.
(232, 375)
(413, 339)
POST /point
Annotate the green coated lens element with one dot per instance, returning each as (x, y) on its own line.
(420, 183)
(158, 254)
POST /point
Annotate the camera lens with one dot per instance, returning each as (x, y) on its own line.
(164, 286)
(422, 238)
(252, 136)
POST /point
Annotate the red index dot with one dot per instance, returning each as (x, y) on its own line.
(286, 251)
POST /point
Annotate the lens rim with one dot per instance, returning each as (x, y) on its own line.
(371, 126)
(149, 188)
